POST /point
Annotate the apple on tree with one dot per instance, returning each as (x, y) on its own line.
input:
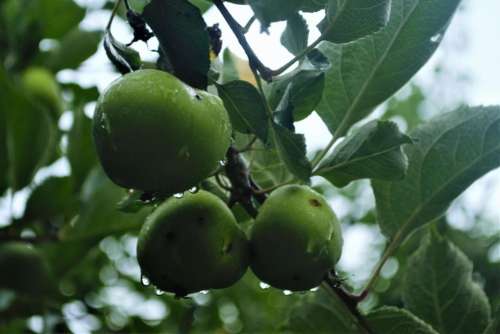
(191, 244)
(155, 133)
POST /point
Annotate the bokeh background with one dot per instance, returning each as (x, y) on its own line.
(103, 290)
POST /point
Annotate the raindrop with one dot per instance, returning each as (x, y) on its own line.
(314, 289)
(145, 280)
(264, 285)
(179, 195)
(436, 38)
(194, 190)
(159, 292)
(287, 292)
(222, 163)
(204, 292)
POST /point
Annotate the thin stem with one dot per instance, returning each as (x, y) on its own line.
(336, 135)
(313, 44)
(299, 56)
(270, 189)
(255, 63)
(350, 305)
(387, 254)
(248, 146)
(113, 14)
(247, 26)
(322, 154)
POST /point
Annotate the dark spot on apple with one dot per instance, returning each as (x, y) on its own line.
(314, 202)
(198, 97)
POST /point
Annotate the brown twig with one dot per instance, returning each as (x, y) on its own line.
(238, 31)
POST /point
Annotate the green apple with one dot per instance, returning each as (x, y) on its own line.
(191, 244)
(295, 240)
(41, 85)
(154, 133)
(23, 269)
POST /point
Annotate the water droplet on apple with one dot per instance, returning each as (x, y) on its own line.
(179, 195)
(145, 280)
(264, 285)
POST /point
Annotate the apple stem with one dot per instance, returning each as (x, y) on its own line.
(243, 189)
(239, 32)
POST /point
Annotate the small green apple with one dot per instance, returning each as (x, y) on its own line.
(23, 269)
(295, 240)
(154, 133)
(191, 244)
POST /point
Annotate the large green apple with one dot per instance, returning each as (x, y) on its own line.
(153, 132)
(296, 239)
(41, 85)
(191, 244)
(23, 269)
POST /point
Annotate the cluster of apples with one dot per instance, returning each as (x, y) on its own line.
(155, 133)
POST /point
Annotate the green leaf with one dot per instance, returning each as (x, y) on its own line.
(203, 5)
(81, 152)
(81, 95)
(266, 166)
(59, 16)
(438, 288)
(53, 198)
(304, 87)
(75, 47)
(229, 67)
(325, 313)
(320, 313)
(99, 216)
(392, 320)
(30, 134)
(291, 148)
(449, 153)
(305, 91)
(347, 20)
(183, 37)
(295, 36)
(138, 5)
(277, 10)
(313, 5)
(367, 71)
(373, 151)
(124, 58)
(132, 202)
(4, 162)
(246, 109)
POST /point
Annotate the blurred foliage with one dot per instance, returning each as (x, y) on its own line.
(90, 244)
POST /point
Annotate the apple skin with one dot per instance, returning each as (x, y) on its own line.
(42, 87)
(296, 239)
(192, 244)
(154, 133)
(24, 269)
